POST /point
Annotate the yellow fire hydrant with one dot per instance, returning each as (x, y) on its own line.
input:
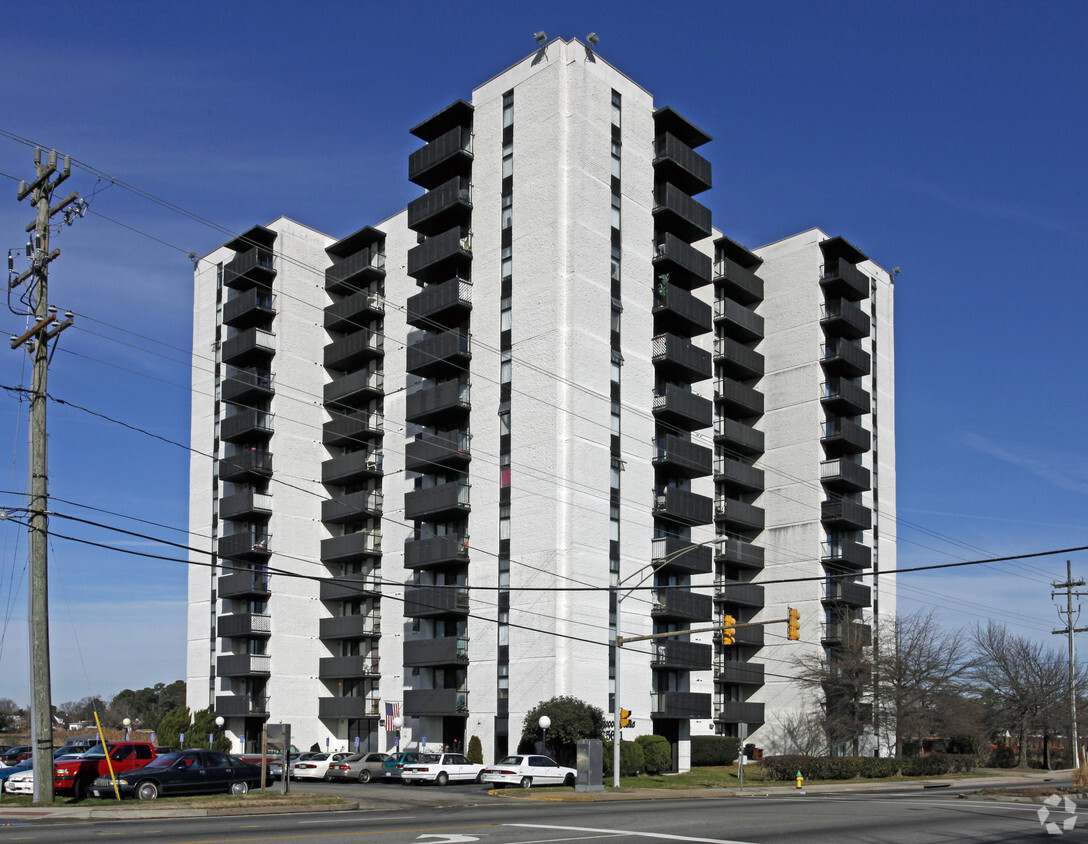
(800, 780)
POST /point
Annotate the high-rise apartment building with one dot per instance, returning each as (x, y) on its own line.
(461, 450)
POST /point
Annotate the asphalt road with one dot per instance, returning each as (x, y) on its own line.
(428, 815)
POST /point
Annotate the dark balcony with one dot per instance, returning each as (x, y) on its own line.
(845, 398)
(436, 552)
(842, 475)
(676, 162)
(351, 587)
(352, 507)
(445, 303)
(250, 309)
(241, 706)
(355, 311)
(677, 603)
(435, 601)
(347, 667)
(428, 452)
(348, 429)
(422, 702)
(349, 627)
(730, 474)
(442, 256)
(436, 503)
(256, 265)
(678, 312)
(681, 408)
(843, 280)
(243, 665)
(252, 546)
(736, 515)
(681, 705)
(736, 399)
(676, 212)
(243, 506)
(841, 436)
(685, 265)
(250, 347)
(354, 350)
(736, 360)
(441, 353)
(678, 359)
(848, 594)
(737, 321)
(752, 637)
(247, 387)
(738, 593)
(738, 712)
(447, 650)
(442, 402)
(356, 389)
(683, 506)
(738, 436)
(735, 673)
(245, 465)
(846, 358)
(673, 655)
(843, 318)
(350, 548)
(448, 155)
(681, 458)
(441, 208)
(680, 555)
(842, 514)
(352, 708)
(355, 272)
(244, 626)
(247, 426)
(846, 554)
(243, 584)
(352, 468)
(736, 282)
(736, 553)
(847, 632)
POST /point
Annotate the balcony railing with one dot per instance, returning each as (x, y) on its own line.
(739, 553)
(851, 594)
(249, 309)
(352, 507)
(736, 282)
(353, 467)
(423, 702)
(241, 706)
(680, 705)
(685, 265)
(438, 402)
(438, 352)
(738, 593)
(245, 505)
(448, 154)
(243, 584)
(243, 386)
(675, 211)
(675, 655)
(430, 452)
(348, 667)
(677, 311)
(843, 514)
(348, 707)
(350, 627)
(737, 360)
(356, 389)
(738, 436)
(352, 428)
(844, 280)
(737, 515)
(444, 206)
(739, 712)
(251, 267)
(683, 506)
(248, 347)
(441, 256)
(436, 551)
(433, 601)
(678, 359)
(678, 406)
(681, 457)
(732, 673)
(437, 502)
(680, 555)
(734, 474)
(842, 318)
(354, 350)
(680, 164)
(844, 397)
(846, 358)
(845, 437)
(243, 665)
(245, 464)
(445, 650)
(736, 399)
(356, 271)
(680, 604)
(845, 554)
(351, 547)
(251, 545)
(244, 625)
(354, 311)
(845, 475)
(737, 321)
(445, 303)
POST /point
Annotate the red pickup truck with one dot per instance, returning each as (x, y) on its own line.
(77, 776)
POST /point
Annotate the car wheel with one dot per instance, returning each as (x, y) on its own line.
(568, 780)
(526, 782)
(82, 789)
(364, 775)
(480, 777)
(239, 788)
(147, 790)
(442, 779)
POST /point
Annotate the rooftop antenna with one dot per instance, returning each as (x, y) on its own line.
(593, 39)
(540, 37)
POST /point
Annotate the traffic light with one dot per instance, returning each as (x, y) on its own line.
(795, 624)
(729, 631)
(625, 717)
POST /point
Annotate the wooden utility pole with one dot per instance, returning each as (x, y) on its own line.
(37, 340)
(1070, 630)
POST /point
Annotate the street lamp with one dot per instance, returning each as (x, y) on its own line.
(544, 723)
(219, 722)
(127, 722)
(398, 722)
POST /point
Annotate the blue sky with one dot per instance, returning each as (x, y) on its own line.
(943, 138)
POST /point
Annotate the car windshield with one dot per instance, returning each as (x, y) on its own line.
(511, 760)
(95, 751)
(164, 761)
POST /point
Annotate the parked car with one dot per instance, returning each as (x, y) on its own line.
(394, 764)
(359, 766)
(20, 782)
(442, 769)
(78, 775)
(317, 766)
(528, 771)
(17, 768)
(159, 751)
(185, 772)
(15, 755)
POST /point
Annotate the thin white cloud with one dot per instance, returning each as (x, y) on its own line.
(1057, 469)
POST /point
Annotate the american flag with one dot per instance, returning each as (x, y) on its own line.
(392, 710)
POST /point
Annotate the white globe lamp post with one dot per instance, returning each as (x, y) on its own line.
(544, 723)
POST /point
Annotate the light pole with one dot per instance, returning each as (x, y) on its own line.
(126, 723)
(544, 723)
(219, 722)
(398, 722)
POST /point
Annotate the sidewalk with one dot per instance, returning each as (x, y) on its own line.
(16, 815)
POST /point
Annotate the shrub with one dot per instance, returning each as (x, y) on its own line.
(1005, 757)
(876, 768)
(475, 751)
(714, 750)
(632, 762)
(656, 753)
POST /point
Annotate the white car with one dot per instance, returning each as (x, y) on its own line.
(442, 768)
(528, 771)
(20, 783)
(316, 767)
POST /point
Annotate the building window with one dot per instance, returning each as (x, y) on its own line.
(507, 160)
(507, 109)
(507, 211)
(616, 102)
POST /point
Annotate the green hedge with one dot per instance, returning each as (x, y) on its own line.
(632, 761)
(656, 753)
(714, 750)
(869, 767)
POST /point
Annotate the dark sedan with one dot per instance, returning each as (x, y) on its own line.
(185, 772)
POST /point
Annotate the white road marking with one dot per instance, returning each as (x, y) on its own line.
(660, 835)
